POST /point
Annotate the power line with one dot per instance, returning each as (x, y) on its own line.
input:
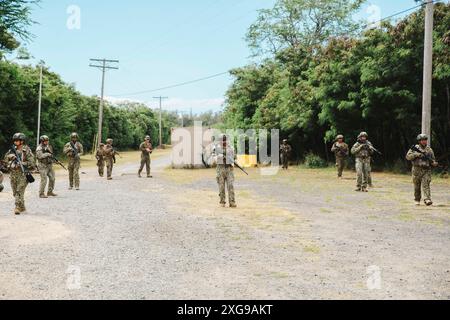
(172, 86)
(226, 72)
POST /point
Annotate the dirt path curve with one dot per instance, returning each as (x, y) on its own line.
(166, 238)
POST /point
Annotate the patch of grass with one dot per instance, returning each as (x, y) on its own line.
(312, 249)
(406, 216)
(279, 275)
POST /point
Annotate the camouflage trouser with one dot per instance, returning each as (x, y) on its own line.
(109, 167)
(46, 172)
(340, 165)
(1, 182)
(145, 162)
(362, 169)
(18, 185)
(285, 161)
(225, 175)
(101, 167)
(74, 172)
(422, 180)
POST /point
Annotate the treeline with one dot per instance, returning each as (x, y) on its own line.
(343, 84)
(65, 110)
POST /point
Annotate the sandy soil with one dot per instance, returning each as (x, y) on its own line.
(300, 234)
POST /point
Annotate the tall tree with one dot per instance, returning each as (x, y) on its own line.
(301, 23)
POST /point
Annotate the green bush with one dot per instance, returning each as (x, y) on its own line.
(314, 161)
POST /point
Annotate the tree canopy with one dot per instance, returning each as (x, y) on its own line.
(368, 82)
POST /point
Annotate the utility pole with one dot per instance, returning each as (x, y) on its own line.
(428, 69)
(39, 104)
(105, 65)
(160, 117)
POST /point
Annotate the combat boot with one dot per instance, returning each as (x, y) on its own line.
(149, 177)
(51, 194)
(364, 189)
(233, 205)
(43, 196)
(417, 203)
(428, 203)
(17, 211)
(358, 189)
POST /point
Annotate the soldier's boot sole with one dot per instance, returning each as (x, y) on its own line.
(51, 194)
(233, 205)
(43, 196)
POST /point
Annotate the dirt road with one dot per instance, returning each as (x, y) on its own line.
(297, 235)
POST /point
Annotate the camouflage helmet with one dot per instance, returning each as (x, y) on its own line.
(109, 141)
(74, 135)
(44, 138)
(19, 137)
(339, 137)
(422, 137)
(363, 134)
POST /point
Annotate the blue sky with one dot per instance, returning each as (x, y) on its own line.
(158, 43)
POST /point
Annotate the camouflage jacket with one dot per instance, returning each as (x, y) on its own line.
(225, 156)
(68, 150)
(100, 154)
(418, 160)
(285, 149)
(43, 157)
(109, 152)
(362, 150)
(26, 156)
(341, 150)
(146, 149)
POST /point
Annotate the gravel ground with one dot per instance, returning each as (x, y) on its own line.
(294, 236)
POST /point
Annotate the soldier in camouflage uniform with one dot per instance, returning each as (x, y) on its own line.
(19, 182)
(44, 156)
(363, 152)
(2, 169)
(422, 164)
(285, 152)
(100, 159)
(146, 149)
(225, 171)
(110, 156)
(74, 150)
(1, 181)
(341, 150)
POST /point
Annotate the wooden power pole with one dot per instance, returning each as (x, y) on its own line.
(428, 69)
(105, 65)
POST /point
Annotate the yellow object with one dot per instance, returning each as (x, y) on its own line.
(247, 161)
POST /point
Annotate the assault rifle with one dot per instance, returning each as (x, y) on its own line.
(239, 167)
(18, 160)
(426, 156)
(74, 149)
(371, 147)
(55, 160)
